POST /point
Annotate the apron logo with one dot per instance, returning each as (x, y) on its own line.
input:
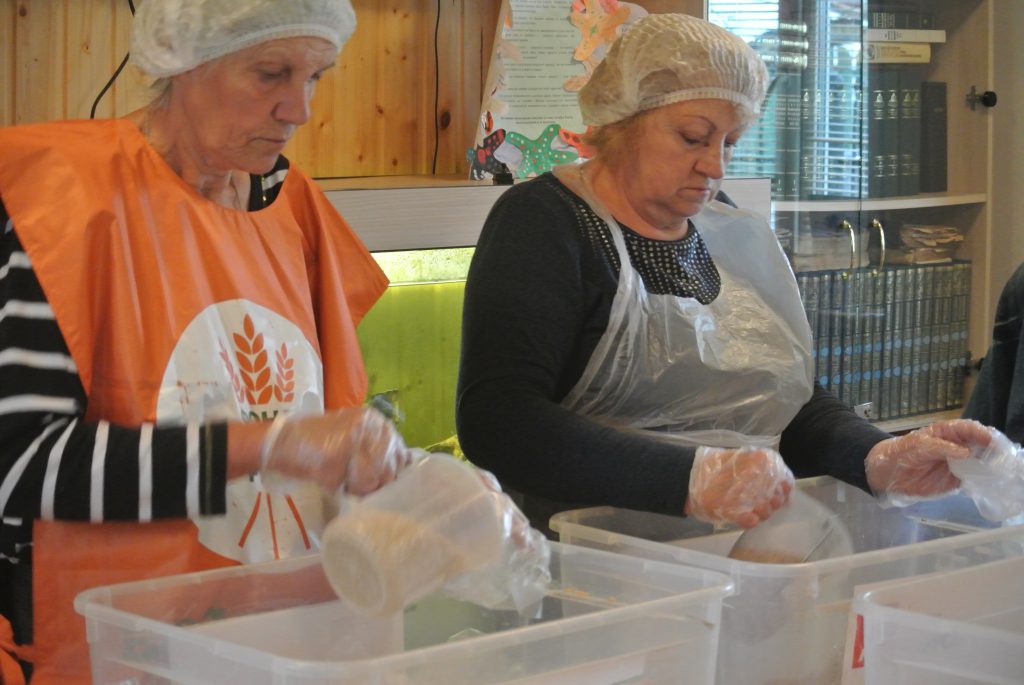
(252, 380)
(261, 365)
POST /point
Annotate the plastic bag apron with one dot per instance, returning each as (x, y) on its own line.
(730, 373)
(177, 310)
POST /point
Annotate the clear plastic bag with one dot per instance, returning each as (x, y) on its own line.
(993, 476)
(441, 524)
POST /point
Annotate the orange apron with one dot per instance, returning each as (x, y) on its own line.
(177, 310)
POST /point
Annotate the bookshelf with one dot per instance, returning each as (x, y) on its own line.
(870, 162)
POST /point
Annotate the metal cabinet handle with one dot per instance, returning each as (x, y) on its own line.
(875, 223)
(848, 227)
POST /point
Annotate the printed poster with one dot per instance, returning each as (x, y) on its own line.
(545, 50)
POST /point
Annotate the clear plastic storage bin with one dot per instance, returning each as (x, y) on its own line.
(787, 623)
(606, 619)
(961, 627)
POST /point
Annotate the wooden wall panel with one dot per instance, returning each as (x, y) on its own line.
(40, 46)
(89, 55)
(373, 114)
(8, 11)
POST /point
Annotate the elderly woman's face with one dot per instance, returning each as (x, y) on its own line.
(243, 108)
(678, 153)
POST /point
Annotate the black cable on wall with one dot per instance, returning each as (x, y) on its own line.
(437, 88)
(120, 68)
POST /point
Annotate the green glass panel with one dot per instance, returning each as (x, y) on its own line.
(410, 340)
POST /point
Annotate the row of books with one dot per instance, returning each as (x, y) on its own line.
(893, 132)
(899, 15)
(892, 342)
(831, 129)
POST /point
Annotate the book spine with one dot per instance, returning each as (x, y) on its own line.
(806, 282)
(906, 360)
(894, 35)
(808, 113)
(787, 126)
(927, 329)
(928, 354)
(949, 354)
(890, 133)
(940, 318)
(835, 371)
(852, 343)
(909, 142)
(867, 333)
(882, 18)
(898, 53)
(962, 294)
(877, 317)
(896, 359)
(917, 310)
(933, 155)
(876, 113)
(824, 330)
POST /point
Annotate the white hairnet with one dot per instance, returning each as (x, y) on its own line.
(667, 58)
(173, 36)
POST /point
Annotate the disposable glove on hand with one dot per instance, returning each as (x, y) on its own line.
(994, 478)
(356, 448)
(915, 466)
(742, 486)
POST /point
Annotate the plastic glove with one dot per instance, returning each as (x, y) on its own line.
(912, 467)
(357, 448)
(994, 478)
(742, 486)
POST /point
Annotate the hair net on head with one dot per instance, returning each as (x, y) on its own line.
(667, 58)
(173, 36)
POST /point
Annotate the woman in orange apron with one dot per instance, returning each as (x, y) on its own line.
(168, 282)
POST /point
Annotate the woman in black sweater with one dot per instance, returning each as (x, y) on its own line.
(627, 341)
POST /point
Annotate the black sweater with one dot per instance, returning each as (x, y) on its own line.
(538, 297)
(998, 397)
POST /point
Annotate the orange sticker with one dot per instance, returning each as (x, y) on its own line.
(858, 644)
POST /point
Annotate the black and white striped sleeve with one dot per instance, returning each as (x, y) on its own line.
(56, 465)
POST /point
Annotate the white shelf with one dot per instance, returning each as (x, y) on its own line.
(881, 204)
(416, 218)
(432, 213)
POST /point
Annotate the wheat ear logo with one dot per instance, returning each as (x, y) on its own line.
(252, 379)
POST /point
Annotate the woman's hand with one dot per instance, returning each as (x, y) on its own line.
(358, 448)
(742, 486)
(917, 464)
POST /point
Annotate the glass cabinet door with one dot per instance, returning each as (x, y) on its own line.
(809, 138)
(873, 211)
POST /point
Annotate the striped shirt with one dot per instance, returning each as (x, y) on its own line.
(56, 465)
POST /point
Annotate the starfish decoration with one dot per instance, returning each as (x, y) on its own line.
(597, 26)
(538, 154)
(575, 140)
